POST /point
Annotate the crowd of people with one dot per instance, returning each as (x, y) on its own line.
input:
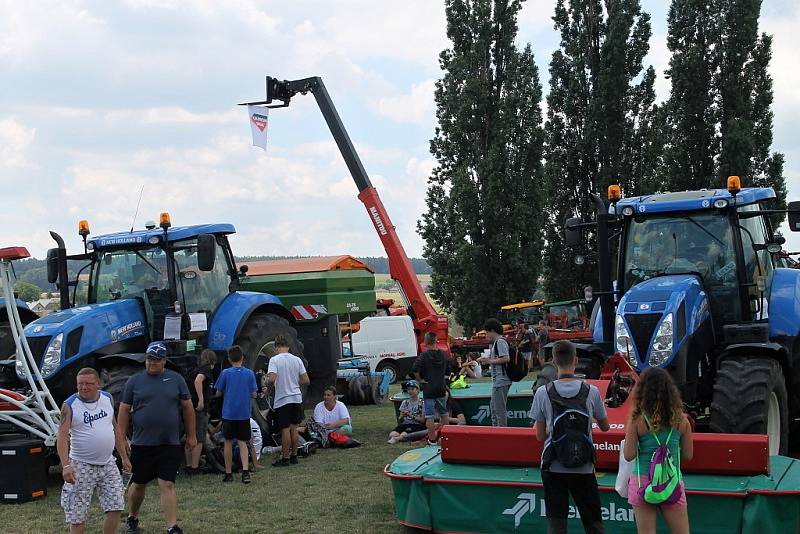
(157, 402)
(155, 405)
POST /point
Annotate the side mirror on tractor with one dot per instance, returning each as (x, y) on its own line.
(53, 256)
(572, 234)
(206, 251)
(794, 216)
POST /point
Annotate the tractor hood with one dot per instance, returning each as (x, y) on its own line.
(69, 334)
(654, 317)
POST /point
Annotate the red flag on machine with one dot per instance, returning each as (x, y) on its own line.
(259, 116)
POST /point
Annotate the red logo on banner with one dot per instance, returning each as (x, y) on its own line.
(259, 120)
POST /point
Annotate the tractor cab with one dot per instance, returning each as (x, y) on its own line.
(192, 267)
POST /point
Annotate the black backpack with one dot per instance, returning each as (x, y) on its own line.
(517, 368)
(570, 442)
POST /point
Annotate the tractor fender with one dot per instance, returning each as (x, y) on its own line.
(772, 350)
(234, 311)
(784, 303)
(25, 313)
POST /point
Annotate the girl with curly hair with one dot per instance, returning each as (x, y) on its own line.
(657, 417)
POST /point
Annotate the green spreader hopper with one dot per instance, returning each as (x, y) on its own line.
(314, 288)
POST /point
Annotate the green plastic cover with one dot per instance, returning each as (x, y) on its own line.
(433, 495)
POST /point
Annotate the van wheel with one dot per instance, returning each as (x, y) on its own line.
(390, 368)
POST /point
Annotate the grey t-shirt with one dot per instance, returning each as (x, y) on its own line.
(498, 350)
(155, 402)
(542, 410)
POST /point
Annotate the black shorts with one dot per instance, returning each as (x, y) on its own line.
(289, 414)
(408, 428)
(157, 461)
(236, 429)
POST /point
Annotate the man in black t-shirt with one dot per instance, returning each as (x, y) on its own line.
(431, 369)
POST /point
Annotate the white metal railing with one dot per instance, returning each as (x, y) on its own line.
(36, 412)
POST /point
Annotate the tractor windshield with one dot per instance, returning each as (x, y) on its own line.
(129, 273)
(696, 243)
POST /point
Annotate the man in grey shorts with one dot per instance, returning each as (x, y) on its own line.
(87, 435)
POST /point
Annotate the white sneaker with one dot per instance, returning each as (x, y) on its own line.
(392, 441)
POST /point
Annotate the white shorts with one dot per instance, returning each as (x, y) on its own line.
(527, 356)
(76, 498)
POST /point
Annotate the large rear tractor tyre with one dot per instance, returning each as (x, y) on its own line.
(115, 378)
(750, 398)
(257, 340)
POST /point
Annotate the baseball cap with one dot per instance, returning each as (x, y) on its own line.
(156, 349)
(412, 384)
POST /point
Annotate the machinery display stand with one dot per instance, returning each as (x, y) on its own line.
(34, 411)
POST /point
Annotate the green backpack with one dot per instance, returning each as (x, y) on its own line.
(664, 477)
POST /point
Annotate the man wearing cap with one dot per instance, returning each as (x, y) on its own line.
(157, 396)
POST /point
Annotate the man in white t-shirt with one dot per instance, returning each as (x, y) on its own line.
(87, 435)
(287, 373)
(332, 413)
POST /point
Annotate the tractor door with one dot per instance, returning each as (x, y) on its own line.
(201, 291)
(756, 259)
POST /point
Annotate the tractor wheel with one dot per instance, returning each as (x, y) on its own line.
(257, 340)
(115, 378)
(391, 368)
(750, 398)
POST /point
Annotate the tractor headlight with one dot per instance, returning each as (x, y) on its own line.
(52, 356)
(662, 344)
(623, 341)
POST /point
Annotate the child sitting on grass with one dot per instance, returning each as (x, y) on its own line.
(411, 418)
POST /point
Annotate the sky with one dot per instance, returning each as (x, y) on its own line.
(99, 100)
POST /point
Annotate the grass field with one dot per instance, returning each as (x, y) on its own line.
(331, 491)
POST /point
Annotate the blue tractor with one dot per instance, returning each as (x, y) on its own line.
(180, 284)
(701, 288)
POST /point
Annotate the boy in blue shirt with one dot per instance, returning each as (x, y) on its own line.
(236, 385)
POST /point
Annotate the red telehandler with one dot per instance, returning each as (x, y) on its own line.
(425, 317)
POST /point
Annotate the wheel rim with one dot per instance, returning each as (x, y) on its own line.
(774, 424)
(389, 370)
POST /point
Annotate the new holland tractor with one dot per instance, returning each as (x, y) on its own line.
(701, 288)
(179, 284)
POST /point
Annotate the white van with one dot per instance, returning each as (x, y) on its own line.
(388, 343)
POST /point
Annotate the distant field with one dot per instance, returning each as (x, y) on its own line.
(383, 278)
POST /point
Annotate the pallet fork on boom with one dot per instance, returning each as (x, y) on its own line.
(35, 411)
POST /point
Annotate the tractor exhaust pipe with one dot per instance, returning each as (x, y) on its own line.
(604, 274)
(57, 269)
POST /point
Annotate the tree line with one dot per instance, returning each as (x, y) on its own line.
(508, 174)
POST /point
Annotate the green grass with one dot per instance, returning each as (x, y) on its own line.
(332, 491)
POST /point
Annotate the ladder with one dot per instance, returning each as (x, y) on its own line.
(33, 410)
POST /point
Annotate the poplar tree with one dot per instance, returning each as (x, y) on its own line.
(719, 117)
(482, 227)
(602, 124)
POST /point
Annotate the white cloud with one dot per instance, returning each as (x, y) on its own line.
(172, 115)
(417, 107)
(15, 141)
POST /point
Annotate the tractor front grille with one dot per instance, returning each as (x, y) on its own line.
(38, 345)
(642, 326)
